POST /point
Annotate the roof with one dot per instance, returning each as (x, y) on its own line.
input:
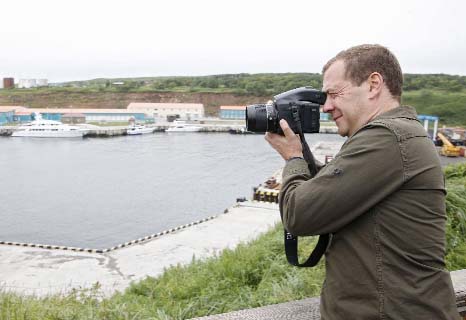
(74, 115)
(11, 108)
(232, 107)
(23, 113)
(150, 105)
(82, 110)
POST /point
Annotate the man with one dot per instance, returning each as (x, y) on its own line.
(382, 197)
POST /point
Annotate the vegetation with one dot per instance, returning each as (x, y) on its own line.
(434, 94)
(449, 106)
(252, 275)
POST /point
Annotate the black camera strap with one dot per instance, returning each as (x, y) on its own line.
(291, 241)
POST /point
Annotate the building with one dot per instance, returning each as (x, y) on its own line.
(23, 116)
(8, 83)
(73, 118)
(92, 115)
(8, 114)
(27, 83)
(233, 112)
(164, 111)
(32, 83)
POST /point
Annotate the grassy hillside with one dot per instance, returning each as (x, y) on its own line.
(441, 95)
(449, 106)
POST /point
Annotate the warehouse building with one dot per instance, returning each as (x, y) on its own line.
(6, 116)
(92, 115)
(233, 112)
(73, 118)
(9, 114)
(164, 111)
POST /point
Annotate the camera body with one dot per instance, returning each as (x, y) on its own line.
(299, 106)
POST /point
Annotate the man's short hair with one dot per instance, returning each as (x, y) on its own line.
(361, 61)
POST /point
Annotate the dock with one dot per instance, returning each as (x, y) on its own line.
(113, 131)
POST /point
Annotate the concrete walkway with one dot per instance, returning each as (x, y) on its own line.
(41, 272)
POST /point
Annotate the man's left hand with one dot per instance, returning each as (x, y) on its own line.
(289, 145)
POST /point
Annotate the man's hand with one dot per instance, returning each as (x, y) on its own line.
(287, 146)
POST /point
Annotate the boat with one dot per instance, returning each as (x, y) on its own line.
(182, 126)
(139, 129)
(41, 128)
(240, 130)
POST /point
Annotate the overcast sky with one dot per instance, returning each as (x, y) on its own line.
(86, 39)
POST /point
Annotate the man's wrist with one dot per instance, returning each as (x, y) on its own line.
(294, 158)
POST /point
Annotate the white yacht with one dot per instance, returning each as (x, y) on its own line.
(41, 128)
(182, 126)
(138, 129)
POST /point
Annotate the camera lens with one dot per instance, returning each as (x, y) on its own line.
(256, 118)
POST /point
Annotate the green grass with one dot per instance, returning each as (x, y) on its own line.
(254, 274)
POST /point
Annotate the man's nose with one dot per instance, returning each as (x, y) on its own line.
(327, 107)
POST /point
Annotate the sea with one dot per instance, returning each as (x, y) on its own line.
(100, 192)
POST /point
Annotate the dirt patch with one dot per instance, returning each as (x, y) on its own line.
(103, 100)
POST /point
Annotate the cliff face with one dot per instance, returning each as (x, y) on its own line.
(211, 101)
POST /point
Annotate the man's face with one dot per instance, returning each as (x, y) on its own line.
(345, 101)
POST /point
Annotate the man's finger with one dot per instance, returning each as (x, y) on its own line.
(286, 128)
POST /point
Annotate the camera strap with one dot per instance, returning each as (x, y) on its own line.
(291, 241)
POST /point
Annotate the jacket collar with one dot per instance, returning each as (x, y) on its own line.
(399, 112)
(405, 112)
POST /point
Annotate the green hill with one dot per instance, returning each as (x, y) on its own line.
(434, 94)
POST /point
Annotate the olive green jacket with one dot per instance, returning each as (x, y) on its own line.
(383, 200)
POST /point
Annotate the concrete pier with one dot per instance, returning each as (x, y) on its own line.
(111, 131)
(29, 270)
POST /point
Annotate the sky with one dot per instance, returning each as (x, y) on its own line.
(87, 39)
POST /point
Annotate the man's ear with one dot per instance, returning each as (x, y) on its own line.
(375, 81)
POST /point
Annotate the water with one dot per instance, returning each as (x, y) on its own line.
(97, 193)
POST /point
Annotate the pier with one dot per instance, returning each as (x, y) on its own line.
(113, 131)
(30, 269)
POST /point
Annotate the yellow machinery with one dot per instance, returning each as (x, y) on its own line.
(448, 149)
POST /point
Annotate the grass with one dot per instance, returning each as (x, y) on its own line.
(254, 274)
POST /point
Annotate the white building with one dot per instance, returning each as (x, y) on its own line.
(32, 83)
(160, 111)
(27, 83)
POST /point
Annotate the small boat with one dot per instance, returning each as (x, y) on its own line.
(240, 130)
(182, 126)
(41, 128)
(139, 129)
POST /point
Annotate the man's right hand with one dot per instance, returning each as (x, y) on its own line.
(289, 145)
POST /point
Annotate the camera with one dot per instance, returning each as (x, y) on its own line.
(299, 107)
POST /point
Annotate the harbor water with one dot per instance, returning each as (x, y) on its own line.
(96, 193)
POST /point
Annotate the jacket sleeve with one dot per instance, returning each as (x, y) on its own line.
(368, 168)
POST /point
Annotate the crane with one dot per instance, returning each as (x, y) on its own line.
(448, 149)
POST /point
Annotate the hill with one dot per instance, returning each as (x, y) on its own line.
(434, 94)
